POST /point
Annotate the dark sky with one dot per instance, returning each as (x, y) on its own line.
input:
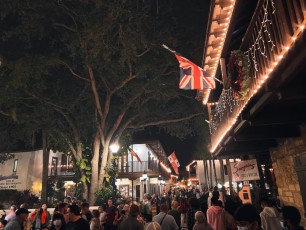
(184, 149)
(193, 14)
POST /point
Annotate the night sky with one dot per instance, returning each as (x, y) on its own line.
(194, 16)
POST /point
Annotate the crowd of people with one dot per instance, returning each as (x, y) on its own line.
(175, 209)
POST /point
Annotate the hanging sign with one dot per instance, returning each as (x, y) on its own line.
(245, 170)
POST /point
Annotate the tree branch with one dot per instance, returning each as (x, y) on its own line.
(95, 92)
(143, 53)
(4, 113)
(164, 121)
(65, 26)
(73, 72)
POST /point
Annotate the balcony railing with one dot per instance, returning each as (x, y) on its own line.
(148, 166)
(273, 30)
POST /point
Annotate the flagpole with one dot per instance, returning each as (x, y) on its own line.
(172, 51)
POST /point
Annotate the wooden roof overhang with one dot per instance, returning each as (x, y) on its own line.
(276, 106)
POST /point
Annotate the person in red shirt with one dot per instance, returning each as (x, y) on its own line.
(42, 218)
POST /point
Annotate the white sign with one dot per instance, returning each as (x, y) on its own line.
(245, 170)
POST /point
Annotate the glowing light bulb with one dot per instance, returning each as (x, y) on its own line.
(302, 27)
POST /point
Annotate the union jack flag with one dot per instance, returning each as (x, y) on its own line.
(192, 76)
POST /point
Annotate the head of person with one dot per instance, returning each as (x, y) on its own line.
(200, 218)
(44, 206)
(22, 213)
(63, 207)
(175, 205)
(95, 213)
(292, 216)
(58, 220)
(101, 209)
(110, 202)
(85, 207)
(134, 210)
(152, 226)
(24, 205)
(265, 202)
(74, 212)
(126, 208)
(164, 208)
(13, 208)
(247, 218)
(3, 223)
(215, 201)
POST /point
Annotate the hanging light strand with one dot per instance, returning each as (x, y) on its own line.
(259, 43)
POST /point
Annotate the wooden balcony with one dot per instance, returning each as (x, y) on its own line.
(274, 43)
(134, 169)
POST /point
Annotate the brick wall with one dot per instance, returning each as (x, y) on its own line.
(286, 177)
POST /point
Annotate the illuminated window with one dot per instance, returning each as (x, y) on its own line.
(15, 165)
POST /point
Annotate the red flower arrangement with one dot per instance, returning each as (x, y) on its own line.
(239, 74)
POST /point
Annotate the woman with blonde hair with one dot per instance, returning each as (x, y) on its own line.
(152, 226)
(201, 222)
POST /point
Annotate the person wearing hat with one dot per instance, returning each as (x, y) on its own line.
(17, 222)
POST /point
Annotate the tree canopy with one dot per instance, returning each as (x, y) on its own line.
(87, 71)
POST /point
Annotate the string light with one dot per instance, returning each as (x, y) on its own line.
(259, 43)
(216, 37)
(227, 102)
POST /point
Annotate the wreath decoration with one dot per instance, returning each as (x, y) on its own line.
(239, 74)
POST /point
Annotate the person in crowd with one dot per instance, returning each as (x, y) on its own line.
(210, 195)
(194, 206)
(85, 212)
(31, 217)
(11, 214)
(28, 223)
(76, 222)
(42, 218)
(175, 213)
(112, 215)
(147, 210)
(58, 222)
(2, 224)
(166, 221)
(292, 218)
(229, 210)
(137, 202)
(247, 218)
(62, 208)
(95, 223)
(18, 221)
(183, 209)
(216, 215)
(103, 215)
(156, 201)
(152, 226)
(201, 222)
(270, 218)
(131, 222)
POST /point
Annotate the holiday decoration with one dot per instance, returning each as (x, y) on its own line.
(239, 74)
(259, 44)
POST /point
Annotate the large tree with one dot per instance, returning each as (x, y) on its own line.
(100, 67)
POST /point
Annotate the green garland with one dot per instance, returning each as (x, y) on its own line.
(239, 74)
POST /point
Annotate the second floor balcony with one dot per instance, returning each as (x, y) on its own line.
(274, 46)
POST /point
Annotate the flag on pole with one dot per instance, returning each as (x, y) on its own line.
(174, 162)
(191, 75)
(134, 154)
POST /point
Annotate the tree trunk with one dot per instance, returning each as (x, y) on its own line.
(94, 169)
(44, 168)
(103, 164)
